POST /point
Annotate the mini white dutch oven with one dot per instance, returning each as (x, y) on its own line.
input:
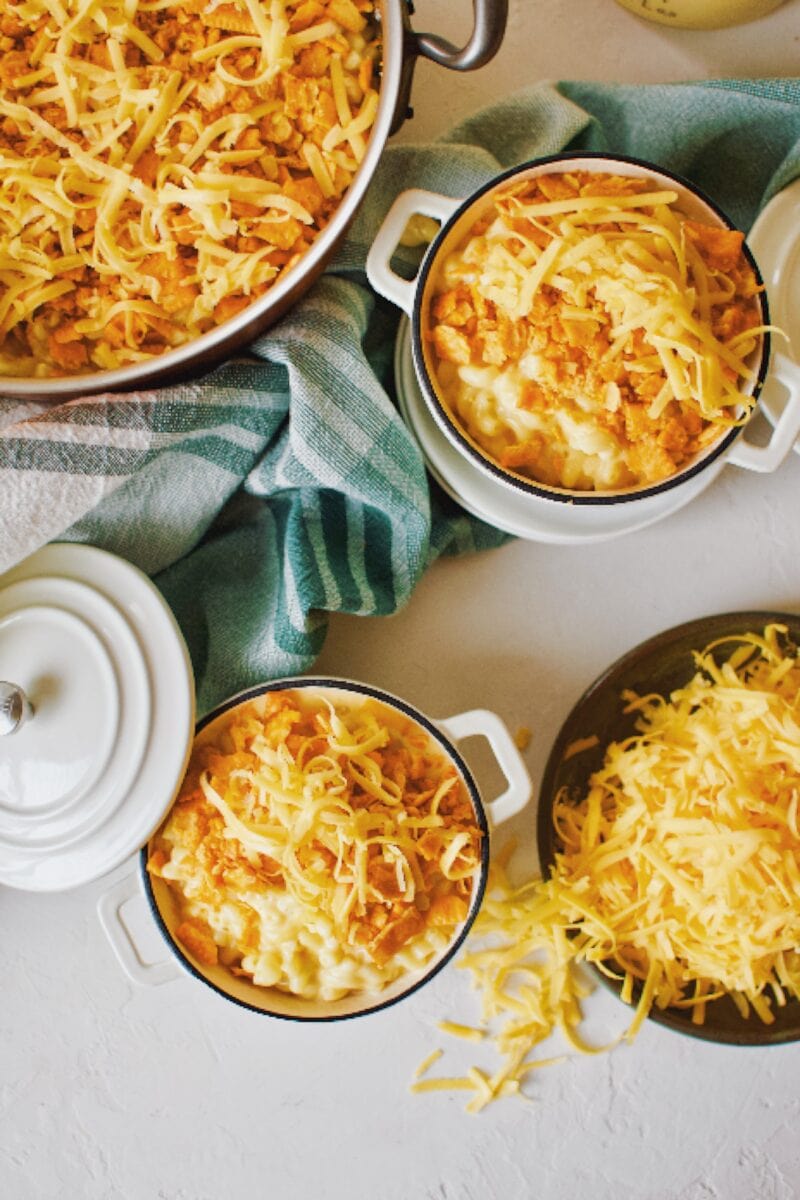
(582, 510)
(443, 736)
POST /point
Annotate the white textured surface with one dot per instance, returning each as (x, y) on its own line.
(108, 1092)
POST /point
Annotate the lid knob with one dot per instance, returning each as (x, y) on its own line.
(15, 707)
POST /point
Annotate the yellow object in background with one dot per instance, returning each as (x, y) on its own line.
(700, 14)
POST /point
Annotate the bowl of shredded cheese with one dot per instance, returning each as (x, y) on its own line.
(327, 850)
(669, 829)
(177, 172)
(586, 330)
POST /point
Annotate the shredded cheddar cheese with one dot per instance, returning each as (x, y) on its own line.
(678, 873)
(685, 852)
(587, 334)
(522, 966)
(442, 1085)
(162, 162)
(319, 849)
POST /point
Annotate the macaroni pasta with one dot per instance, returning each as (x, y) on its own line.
(321, 849)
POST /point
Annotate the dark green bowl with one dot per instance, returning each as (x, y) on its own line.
(661, 664)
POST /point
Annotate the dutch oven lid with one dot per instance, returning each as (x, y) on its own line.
(96, 715)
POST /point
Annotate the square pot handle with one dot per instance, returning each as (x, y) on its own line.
(482, 723)
(786, 426)
(121, 938)
(382, 278)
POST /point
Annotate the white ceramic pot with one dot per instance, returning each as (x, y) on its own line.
(444, 735)
(582, 514)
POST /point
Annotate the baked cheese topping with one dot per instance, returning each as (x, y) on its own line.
(678, 873)
(319, 849)
(163, 162)
(588, 335)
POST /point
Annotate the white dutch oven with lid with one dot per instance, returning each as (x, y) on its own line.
(500, 496)
(96, 729)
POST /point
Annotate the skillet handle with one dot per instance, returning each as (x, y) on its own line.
(489, 26)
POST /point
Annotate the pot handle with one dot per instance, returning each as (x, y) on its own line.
(490, 17)
(482, 723)
(109, 910)
(382, 278)
(786, 423)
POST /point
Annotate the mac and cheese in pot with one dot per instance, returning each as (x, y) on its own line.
(318, 847)
(588, 335)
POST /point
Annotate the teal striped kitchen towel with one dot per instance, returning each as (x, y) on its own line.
(284, 486)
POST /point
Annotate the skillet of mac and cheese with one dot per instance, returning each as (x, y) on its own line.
(319, 849)
(588, 335)
(164, 161)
